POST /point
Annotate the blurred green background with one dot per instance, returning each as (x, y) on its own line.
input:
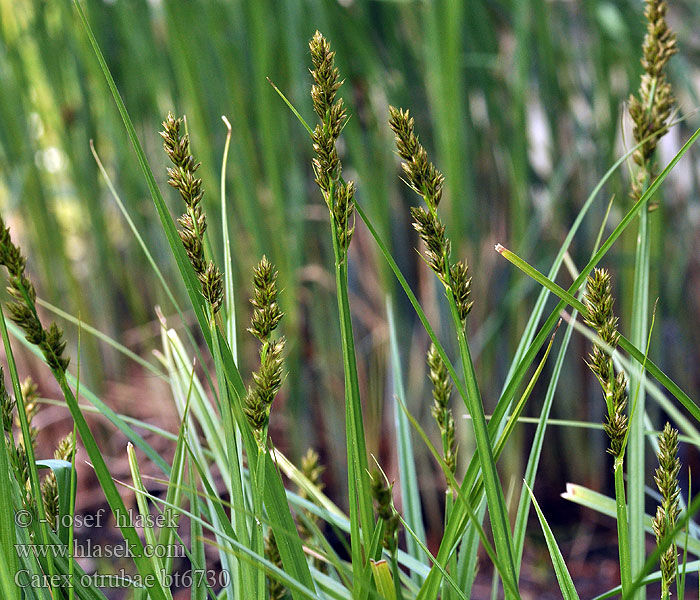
(520, 103)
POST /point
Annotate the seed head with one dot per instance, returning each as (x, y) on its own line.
(266, 316)
(421, 174)
(22, 309)
(266, 311)
(49, 487)
(437, 247)
(383, 501)
(65, 448)
(49, 495)
(616, 423)
(213, 286)
(7, 405)
(599, 302)
(266, 383)
(424, 178)
(667, 512)
(338, 196)
(326, 77)
(442, 390)
(651, 109)
(312, 469)
(343, 212)
(193, 223)
(30, 395)
(460, 283)
(20, 465)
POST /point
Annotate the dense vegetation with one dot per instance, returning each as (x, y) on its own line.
(451, 375)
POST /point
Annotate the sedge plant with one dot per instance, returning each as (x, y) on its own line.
(650, 111)
(225, 477)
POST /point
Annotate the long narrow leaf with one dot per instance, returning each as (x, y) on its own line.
(566, 584)
(410, 493)
(624, 343)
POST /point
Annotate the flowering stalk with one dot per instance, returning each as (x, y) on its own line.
(22, 308)
(50, 341)
(339, 198)
(650, 112)
(651, 109)
(267, 381)
(427, 181)
(599, 301)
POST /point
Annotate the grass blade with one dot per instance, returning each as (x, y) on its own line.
(410, 493)
(624, 343)
(229, 296)
(566, 584)
(383, 580)
(607, 506)
(636, 441)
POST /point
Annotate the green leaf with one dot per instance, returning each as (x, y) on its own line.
(410, 492)
(62, 470)
(144, 510)
(566, 584)
(229, 296)
(383, 580)
(607, 506)
(624, 343)
(635, 437)
(198, 591)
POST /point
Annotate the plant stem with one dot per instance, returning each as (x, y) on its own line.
(638, 337)
(623, 538)
(242, 572)
(361, 512)
(494, 491)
